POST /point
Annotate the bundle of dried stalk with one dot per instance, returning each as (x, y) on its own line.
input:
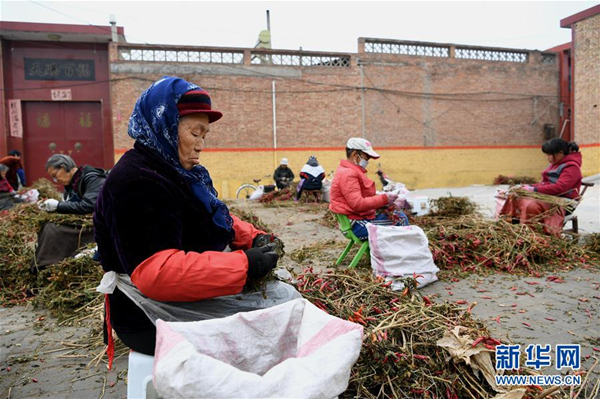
(248, 216)
(566, 203)
(19, 227)
(452, 206)
(400, 355)
(46, 188)
(69, 286)
(474, 244)
(278, 198)
(512, 180)
(592, 243)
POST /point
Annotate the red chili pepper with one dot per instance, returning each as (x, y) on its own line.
(497, 320)
(427, 301)
(490, 347)
(531, 282)
(596, 349)
(477, 341)
(34, 380)
(377, 310)
(486, 297)
(387, 284)
(527, 324)
(421, 357)
(493, 341)
(405, 292)
(461, 302)
(394, 300)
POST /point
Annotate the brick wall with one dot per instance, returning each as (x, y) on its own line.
(438, 122)
(472, 103)
(425, 102)
(587, 80)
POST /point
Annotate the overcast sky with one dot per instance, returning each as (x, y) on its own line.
(324, 26)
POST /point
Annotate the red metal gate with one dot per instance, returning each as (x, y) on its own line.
(72, 128)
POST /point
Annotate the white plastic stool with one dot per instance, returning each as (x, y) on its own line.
(139, 375)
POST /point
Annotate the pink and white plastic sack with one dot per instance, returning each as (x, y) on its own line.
(292, 350)
(401, 251)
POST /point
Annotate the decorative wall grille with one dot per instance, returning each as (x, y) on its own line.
(422, 50)
(490, 55)
(159, 55)
(548, 58)
(300, 60)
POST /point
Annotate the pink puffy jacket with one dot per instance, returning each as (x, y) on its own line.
(353, 193)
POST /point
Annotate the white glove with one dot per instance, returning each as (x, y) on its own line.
(49, 205)
(391, 197)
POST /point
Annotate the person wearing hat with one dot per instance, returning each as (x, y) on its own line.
(158, 218)
(312, 175)
(283, 175)
(353, 194)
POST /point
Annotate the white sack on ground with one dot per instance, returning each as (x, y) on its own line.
(401, 251)
(293, 350)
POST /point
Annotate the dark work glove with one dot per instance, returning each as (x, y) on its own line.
(261, 261)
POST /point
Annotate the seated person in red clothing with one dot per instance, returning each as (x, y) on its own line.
(354, 194)
(8, 196)
(561, 178)
(158, 218)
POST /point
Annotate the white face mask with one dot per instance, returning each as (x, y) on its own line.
(363, 163)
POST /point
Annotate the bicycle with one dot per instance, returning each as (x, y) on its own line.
(246, 190)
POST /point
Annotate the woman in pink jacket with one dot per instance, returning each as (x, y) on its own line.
(354, 194)
(561, 178)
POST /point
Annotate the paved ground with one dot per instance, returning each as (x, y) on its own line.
(31, 365)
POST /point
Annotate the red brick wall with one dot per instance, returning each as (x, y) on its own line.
(427, 102)
(587, 80)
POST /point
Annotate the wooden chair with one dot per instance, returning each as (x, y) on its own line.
(346, 228)
(572, 217)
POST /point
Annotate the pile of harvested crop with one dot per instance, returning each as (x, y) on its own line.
(512, 180)
(404, 351)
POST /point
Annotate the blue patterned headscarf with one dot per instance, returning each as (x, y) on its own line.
(154, 123)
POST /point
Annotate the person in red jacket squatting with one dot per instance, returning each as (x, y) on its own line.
(353, 194)
(561, 178)
(158, 218)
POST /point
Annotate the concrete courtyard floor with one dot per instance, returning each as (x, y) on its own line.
(519, 309)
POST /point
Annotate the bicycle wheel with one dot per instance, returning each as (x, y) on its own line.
(245, 191)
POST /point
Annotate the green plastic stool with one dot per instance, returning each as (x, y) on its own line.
(346, 228)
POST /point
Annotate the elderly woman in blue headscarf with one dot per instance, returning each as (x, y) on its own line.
(158, 218)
